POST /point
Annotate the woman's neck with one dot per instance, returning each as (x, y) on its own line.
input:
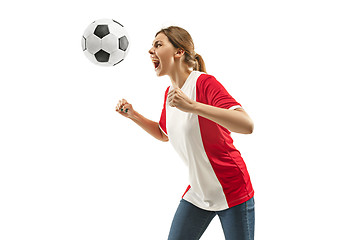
(178, 77)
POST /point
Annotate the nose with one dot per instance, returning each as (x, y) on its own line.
(151, 51)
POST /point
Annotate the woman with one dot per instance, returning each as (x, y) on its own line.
(197, 118)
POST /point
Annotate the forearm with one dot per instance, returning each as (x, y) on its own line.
(149, 126)
(233, 120)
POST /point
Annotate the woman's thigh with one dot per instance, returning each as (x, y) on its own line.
(238, 222)
(189, 222)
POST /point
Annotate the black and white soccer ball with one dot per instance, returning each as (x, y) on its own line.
(105, 42)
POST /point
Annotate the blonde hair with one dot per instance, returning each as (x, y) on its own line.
(180, 38)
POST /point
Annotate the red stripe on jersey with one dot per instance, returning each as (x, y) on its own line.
(224, 158)
(187, 189)
(162, 122)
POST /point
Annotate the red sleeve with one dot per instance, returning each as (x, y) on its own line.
(212, 92)
(162, 122)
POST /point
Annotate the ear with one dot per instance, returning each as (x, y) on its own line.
(179, 53)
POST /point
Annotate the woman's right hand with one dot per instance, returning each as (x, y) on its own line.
(125, 109)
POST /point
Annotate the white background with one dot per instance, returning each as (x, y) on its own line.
(72, 168)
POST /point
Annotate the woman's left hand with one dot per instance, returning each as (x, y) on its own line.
(179, 100)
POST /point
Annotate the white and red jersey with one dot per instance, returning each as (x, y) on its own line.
(217, 173)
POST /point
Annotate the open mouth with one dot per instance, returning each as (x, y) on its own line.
(156, 62)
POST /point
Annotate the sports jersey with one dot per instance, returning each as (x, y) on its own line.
(217, 173)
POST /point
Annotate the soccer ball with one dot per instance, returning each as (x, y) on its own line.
(105, 42)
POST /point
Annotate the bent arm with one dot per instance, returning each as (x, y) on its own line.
(149, 126)
(234, 120)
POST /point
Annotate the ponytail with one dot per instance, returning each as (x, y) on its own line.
(199, 63)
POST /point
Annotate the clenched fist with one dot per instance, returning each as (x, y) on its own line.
(125, 109)
(178, 99)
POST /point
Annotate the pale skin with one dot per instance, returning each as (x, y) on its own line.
(169, 61)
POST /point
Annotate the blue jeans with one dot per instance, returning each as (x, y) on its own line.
(190, 222)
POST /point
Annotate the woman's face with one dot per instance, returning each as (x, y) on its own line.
(162, 55)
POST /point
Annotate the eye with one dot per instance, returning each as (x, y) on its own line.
(158, 45)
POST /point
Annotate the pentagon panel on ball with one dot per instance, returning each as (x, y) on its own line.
(105, 42)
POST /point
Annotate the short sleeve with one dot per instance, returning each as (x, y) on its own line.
(162, 122)
(212, 92)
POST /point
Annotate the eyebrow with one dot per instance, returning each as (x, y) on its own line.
(156, 42)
